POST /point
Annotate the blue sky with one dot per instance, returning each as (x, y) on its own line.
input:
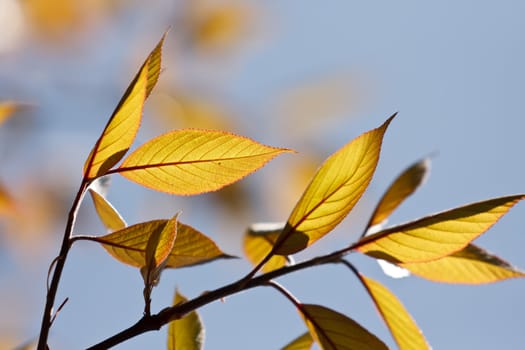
(454, 72)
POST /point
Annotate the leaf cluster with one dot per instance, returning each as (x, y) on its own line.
(191, 161)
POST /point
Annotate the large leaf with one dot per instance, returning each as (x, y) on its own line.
(405, 331)
(402, 187)
(124, 123)
(258, 242)
(302, 342)
(471, 265)
(333, 192)
(186, 333)
(109, 216)
(438, 235)
(188, 162)
(191, 246)
(335, 331)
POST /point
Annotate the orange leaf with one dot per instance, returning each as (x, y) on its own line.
(188, 162)
(124, 123)
(438, 235)
(333, 192)
(403, 328)
(7, 109)
(471, 265)
(333, 330)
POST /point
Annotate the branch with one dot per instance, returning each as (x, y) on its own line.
(59, 262)
(168, 314)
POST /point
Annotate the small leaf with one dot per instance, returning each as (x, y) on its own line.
(333, 330)
(403, 186)
(333, 192)
(405, 331)
(258, 242)
(124, 123)
(188, 162)
(191, 246)
(7, 109)
(186, 333)
(106, 212)
(7, 202)
(302, 342)
(438, 235)
(471, 265)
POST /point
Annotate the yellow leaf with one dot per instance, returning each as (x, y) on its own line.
(191, 246)
(333, 192)
(186, 333)
(438, 235)
(333, 330)
(7, 109)
(259, 241)
(188, 162)
(471, 265)
(302, 342)
(399, 190)
(124, 123)
(106, 212)
(405, 331)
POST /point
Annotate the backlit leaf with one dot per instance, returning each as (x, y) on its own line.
(333, 192)
(438, 235)
(106, 212)
(7, 202)
(302, 342)
(159, 246)
(471, 265)
(7, 109)
(188, 162)
(335, 331)
(399, 190)
(191, 246)
(258, 242)
(124, 123)
(186, 333)
(405, 331)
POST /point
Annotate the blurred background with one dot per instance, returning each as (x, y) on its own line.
(301, 74)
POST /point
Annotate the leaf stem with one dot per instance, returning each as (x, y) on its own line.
(59, 262)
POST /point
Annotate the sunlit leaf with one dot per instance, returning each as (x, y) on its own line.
(186, 333)
(106, 212)
(335, 331)
(191, 246)
(7, 202)
(302, 342)
(405, 331)
(258, 242)
(187, 162)
(124, 123)
(471, 265)
(333, 192)
(7, 109)
(159, 246)
(438, 235)
(399, 190)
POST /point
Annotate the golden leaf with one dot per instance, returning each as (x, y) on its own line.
(120, 131)
(186, 333)
(188, 162)
(191, 246)
(333, 330)
(109, 216)
(258, 242)
(333, 192)
(403, 186)
(405, 331)
(7, 109)
(302, 342)
(471, 265)
(438, 235)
